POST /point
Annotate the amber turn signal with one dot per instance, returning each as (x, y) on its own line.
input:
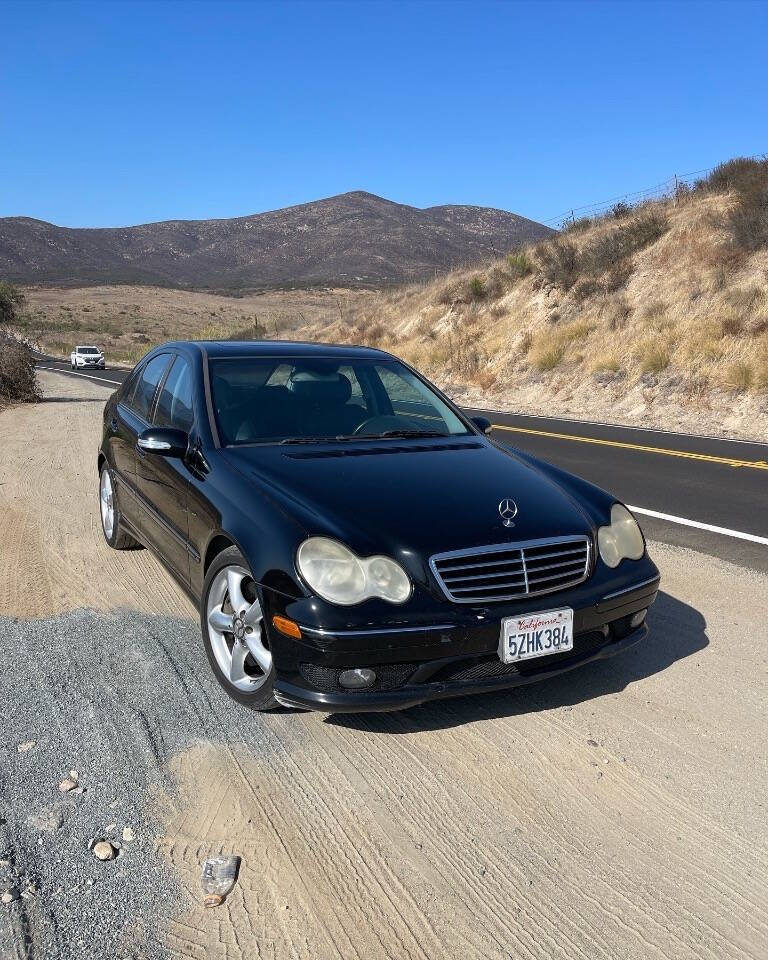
(286, 626)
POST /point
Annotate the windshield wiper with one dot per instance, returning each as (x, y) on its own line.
(406, 433)
(337, 439)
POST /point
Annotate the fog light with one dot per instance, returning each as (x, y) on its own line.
(357, 679)
(637, 618)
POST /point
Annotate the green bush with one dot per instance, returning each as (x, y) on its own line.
(519, 265)
(477, 287)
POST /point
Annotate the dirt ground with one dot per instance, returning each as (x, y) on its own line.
(615, 812)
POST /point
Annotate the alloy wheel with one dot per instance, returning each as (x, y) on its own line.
(236, 629)
(107, 503)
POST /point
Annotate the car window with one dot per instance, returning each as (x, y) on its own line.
(262, 400)
(146, 385)
(174, 405)
(409, 397)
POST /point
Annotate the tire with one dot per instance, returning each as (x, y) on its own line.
(115, 535)
(230, 651)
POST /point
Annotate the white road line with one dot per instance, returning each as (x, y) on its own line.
(73, 373)
(608, 423)
(709, 527)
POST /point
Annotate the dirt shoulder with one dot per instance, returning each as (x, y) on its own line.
(617, 811)
(52, 552)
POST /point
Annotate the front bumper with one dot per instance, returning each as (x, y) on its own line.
(415, 664)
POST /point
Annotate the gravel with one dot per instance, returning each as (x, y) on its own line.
(100, 696)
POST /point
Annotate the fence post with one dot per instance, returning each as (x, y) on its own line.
(677, 198)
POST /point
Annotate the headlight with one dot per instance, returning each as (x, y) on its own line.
(337, 575)
(622, 539)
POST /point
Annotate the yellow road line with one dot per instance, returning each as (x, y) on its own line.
(685, 454)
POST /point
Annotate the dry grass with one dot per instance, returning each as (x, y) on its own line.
(127, 321)
(662, 290)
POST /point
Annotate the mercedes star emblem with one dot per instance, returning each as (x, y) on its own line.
(508, 511)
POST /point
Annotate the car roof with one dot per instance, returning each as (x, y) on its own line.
(279, 348)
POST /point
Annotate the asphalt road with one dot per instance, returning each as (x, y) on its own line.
(697, 483)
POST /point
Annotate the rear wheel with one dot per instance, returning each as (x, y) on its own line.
(111, 524)
(234, 634)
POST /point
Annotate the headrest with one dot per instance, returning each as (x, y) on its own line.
(320, 387)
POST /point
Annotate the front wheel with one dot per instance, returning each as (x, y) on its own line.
(111, 523)
(234, 634)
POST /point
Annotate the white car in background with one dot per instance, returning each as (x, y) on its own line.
(87, 357)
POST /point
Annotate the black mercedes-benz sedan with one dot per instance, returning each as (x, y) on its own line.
(353, 540)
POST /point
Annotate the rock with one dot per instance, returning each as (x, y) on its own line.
(103, 850)
(10, 895)
(592, 743)
(110, 827)
(66, 785)
(48, 819)
(27, 745)
(127, 834)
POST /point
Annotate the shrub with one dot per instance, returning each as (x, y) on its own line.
(613, 246)
(653, 356)
(586, 287)
(579, 330)
(11, 303)
(606, 363)
(748, 179)
(618, 275)
(558, 262)
(477, 287)
(519, 265)
(495, 283)
(17, 373)
(577, 226)
(738, 376)
(547, 351)
(620, 209)
(732, 324)
(618, 313)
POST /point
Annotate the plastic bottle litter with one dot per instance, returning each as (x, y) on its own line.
(218, 877)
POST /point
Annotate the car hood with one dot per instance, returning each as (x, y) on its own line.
(412, 497)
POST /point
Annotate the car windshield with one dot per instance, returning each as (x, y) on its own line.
(87, 349)
(303, 400)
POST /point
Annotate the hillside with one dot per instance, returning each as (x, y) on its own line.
(353, 239)
(656, 315)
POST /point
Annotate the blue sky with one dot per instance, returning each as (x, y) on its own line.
(119, 113)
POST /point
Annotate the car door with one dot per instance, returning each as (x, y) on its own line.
(163, 482)
(129, 418)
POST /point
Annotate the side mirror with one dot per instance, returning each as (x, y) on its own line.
(164, 441)
(482, 423)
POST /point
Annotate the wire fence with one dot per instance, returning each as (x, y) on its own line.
(668, 189)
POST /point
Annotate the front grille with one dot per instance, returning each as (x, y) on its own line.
(511, 570)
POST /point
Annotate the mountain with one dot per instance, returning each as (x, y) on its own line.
(355, 238)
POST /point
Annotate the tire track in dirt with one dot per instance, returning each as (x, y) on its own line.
(49, 521)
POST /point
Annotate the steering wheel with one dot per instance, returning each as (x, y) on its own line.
(381, 423)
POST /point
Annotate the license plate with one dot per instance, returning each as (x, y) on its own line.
(536, 635)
